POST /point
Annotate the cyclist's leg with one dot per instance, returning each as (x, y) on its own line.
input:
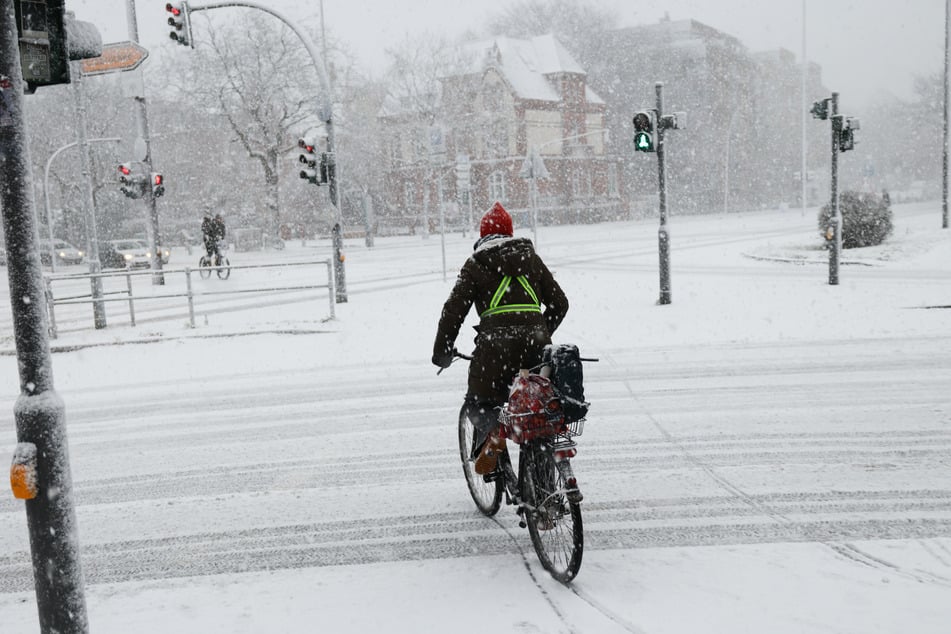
(484, 414)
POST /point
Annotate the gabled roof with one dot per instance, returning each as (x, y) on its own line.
(527, 65)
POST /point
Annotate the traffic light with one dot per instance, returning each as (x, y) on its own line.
(158, 185)
(308, 157)
(127, 182)
(820, 109)
(326, 165)
(847, 127)
(181, 25)
(645, 131)
(49, 37)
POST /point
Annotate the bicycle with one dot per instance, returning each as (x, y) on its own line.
(544, 490)
(219, 264)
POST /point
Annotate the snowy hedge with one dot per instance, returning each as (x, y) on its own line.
(866, 219)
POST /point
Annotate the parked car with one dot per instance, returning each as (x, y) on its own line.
(129, 253)
(120, 254)
(164, 251)
(65, 252)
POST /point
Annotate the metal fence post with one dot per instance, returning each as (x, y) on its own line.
(191, 297)
(330, 288)
(128, 283)
(49, 307)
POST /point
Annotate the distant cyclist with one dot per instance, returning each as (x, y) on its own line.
(212, 232)
(508, 283)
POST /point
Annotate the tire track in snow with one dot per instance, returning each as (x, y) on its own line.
(436, 536)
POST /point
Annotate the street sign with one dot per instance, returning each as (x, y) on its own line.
(116, 57)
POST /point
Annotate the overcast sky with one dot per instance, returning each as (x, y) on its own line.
(864, 46)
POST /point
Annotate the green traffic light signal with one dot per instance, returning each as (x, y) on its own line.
(643, 142)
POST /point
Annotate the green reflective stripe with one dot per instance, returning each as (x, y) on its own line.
(528, 288)
(495, 309)
(512, 308)
(503, 286)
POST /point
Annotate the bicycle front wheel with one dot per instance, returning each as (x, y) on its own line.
(554, 522)
(224, 268)
(203, 269)
(486, 495)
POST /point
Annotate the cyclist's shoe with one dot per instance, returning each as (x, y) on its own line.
(489, 456)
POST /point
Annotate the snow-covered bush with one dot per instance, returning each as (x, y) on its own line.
(866, 219)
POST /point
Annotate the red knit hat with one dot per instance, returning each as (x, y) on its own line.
(496, 220)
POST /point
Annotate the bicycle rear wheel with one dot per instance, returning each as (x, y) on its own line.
(554, 522)
(224, 268)
(486, 495)
(203, 270)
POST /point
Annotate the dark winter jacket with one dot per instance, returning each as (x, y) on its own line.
(500, 279)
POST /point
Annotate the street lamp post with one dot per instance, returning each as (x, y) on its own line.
(46, 193)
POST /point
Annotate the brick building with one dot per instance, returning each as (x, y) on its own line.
(510, 109)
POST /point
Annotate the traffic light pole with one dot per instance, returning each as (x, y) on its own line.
(663, 233)
(89, 201)
(39, 412)
(325, 112)
(142, 127)
(944, 146)
(835, 242)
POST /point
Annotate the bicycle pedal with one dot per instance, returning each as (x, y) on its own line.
(574, 496)
(491, 476)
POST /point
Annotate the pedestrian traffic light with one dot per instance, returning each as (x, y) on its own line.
(127, 182)
(308, 157)
(645, 131)
(49, 37)
(179, 21)
(847, 127)
(158, 185)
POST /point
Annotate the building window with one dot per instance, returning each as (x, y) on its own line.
(497, 186)
(497, 140)
(409, 197)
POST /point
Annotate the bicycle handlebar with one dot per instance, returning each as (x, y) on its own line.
(460, 355)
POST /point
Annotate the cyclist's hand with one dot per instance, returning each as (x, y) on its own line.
(442, 359)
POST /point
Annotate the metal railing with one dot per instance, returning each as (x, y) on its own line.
(128, 295)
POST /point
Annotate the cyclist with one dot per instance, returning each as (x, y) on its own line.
(212, 231)
(508, 283)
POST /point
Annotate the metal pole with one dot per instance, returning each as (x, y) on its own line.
(726, 168)
(442, 224)
(367, 219)
(142, 127)
(803, 108)
(944, 147)
(835, 244)
(191, 297)
(663, 233)
(330, 288)
(39, 412)
(534, 200)
(89, 203)
(46, 194)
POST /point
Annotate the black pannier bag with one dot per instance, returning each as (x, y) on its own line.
(568, 378)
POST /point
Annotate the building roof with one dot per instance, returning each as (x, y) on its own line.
(527, 64)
